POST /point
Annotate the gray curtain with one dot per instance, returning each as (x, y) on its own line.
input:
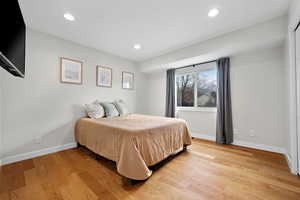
(170, 94)
(224, 113)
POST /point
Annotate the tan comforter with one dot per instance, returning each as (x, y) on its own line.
(134, 142)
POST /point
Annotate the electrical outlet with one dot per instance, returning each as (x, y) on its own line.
(252, 133)
(38, 140)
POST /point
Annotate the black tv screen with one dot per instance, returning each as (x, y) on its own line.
(13, 38)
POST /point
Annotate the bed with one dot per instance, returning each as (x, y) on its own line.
(134, 142)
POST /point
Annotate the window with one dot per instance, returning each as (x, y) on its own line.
(197, 86)
(185, 90)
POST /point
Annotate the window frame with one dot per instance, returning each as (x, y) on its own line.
(194, 72)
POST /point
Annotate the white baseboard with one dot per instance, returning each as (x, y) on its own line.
(33, 154)
(204, 137)
(289, 161)
(263, 147)
(244, 144)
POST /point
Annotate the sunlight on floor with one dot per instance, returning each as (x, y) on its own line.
(202, 154)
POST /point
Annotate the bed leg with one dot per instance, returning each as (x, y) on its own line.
(184, 148)
(79, 145)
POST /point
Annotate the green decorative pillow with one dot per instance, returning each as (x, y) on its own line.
(110, 109)
(121, 107)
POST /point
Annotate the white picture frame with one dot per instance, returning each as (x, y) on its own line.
(71, 71)
(104, 77)
(127, 80)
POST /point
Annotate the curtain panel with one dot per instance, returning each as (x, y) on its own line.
(224, 111)
(170, 94)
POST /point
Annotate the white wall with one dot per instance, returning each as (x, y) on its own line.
(257, 99)
(294, 18)
(141, 94)
(156, 93)
(238, 44)
(294, 14)
(258, 36)
(1, 115)
(287, 78)
(40, 107)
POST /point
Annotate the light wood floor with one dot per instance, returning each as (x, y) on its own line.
(205, 171)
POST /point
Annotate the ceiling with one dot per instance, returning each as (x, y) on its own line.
(160, 26)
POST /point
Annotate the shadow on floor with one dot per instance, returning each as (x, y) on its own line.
(111, 165)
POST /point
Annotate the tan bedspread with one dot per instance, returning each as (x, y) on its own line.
(134, 142)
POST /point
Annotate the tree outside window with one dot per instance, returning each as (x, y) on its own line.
(197, 88)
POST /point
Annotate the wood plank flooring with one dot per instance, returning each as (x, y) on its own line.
(204, 171)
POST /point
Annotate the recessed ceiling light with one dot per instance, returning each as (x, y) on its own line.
(213, 12)
(137, 46)
(69, 17)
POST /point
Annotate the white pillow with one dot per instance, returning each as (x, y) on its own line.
(121, 107)
(110, 109)
(94, 110)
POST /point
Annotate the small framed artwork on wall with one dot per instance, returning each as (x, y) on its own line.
(104, 76)
(127, 80)
(70, 71)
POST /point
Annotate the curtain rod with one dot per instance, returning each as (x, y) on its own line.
(196, 64)
(297, 26)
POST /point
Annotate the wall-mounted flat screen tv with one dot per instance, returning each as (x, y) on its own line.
(12, 38)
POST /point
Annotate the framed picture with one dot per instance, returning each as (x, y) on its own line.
(104, 76)
(70, 71)
(127, 80)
